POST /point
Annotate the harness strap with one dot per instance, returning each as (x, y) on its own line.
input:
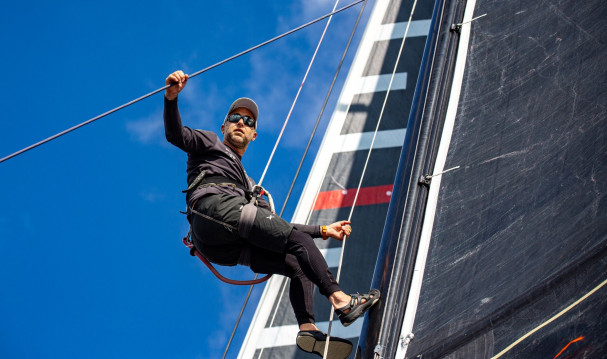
(220, 180)
(202, 181)
(196, 181)
(245, 222)
(247, 217)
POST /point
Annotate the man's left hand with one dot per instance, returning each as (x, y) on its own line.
(339, 229)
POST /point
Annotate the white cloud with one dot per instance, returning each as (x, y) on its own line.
(314, 7)
(148, 129)
(198, 107)
(152, 195)
(273, 77)
(277, 77)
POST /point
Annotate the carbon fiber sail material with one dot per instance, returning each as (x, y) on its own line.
(504, 255)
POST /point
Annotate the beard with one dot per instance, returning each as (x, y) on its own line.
(237, 141)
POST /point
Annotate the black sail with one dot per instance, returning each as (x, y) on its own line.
(513, 247)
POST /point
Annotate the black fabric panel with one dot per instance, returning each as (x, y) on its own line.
(388, 50)
(529, 200)
(400, 10)
(345, 169)
(365, 110)
(587, 323)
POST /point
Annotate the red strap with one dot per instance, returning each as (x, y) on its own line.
(217, 274)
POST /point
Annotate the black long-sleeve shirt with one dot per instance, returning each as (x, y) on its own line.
(206, 152)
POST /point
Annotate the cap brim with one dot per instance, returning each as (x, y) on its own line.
(246, 103)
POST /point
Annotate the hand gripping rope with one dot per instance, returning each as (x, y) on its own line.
(187, 240)
(337, 71)
(167, 86)
(381, 114)
(249, 210)
(285, 282)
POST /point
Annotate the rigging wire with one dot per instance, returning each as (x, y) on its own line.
(303, 81)
(324, 105)
(280, 136)
(329, 92)
(398, 59)
(381, 114)
(53, 137)
(244, 305)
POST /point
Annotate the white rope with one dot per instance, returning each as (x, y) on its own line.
(402, 45)
(280, 136)
(282, 292)
(263, 175)
(381, 114)
(555, 317)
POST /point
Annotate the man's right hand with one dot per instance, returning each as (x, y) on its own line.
(179, 79)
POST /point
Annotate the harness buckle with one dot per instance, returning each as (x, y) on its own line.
(258, 191)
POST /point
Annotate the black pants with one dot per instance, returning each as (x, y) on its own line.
(273, 246)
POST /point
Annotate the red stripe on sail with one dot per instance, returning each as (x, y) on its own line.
(345, 198)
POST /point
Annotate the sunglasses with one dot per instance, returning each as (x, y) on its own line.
(234, 118)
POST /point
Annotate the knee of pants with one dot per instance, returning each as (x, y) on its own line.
(293, 268)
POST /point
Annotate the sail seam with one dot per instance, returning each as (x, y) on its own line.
(380, 83)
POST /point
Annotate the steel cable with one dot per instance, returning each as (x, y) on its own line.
(343, 247)
(306, 149)
(167, 86)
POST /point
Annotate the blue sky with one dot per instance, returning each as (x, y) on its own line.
(91, 259)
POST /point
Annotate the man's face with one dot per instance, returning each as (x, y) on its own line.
(238, 135)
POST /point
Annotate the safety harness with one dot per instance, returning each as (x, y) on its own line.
(245, 222)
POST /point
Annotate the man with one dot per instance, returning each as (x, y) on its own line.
(219, 198)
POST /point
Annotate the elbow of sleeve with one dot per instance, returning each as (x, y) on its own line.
(169, 137)
(172, 139)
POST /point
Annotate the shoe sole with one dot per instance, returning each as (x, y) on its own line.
(337, 350)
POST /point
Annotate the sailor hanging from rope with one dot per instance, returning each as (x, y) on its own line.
(232, 224)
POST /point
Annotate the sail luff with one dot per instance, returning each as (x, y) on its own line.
(400, 239)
